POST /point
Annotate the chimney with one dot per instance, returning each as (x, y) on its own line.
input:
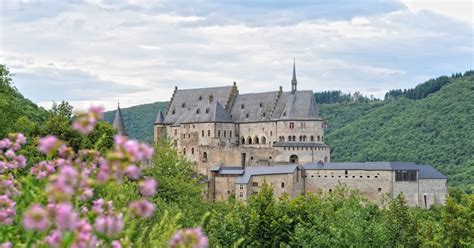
(210, 98)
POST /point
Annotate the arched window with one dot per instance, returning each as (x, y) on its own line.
(192, 151)
(184, 151)
(312, 138)
(304, 137)
(255, 140)
(249, 140)
(263, 140)
(204, 157)
(294, 138)
(243, 140)
(301, 138)
(289, 138)
(319, 139)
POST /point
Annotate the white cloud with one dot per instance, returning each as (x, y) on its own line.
(458, 9)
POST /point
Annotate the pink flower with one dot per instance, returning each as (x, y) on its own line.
(47, 144)
(36, 218)
(116, 244)
(192, 237)
(5, 143)
(98, 111)
(100, 206)
(20, 139)
(148, 187)
(7, 210)
(85, 123)
(66, 217)
(109, 225)
(54, 238)
(133, 172)
(6, 245)
(142, 208)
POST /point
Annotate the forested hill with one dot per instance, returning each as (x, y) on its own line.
(139, 119)
(17, 113)
(435, 127)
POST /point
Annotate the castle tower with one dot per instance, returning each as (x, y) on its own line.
(293, 80)
(118, 122)
(160, 129)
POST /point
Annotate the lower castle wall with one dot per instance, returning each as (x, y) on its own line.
(433, 190)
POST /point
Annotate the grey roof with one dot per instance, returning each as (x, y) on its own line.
(425, 171)
(300, 105)
(118, 122)
(299, 144)
(160, 119)
(251, 106)
(228, 170)
(185, 103)
(265, 170)
(207, 112)
(428, 172)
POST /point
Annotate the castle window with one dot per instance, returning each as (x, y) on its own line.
(302, 125)
(271, 133)
(241, 194)
(194, 126)
(284, 113)
(263, 114)
(202, 133)
(256, 141)
(192, 151)
(241, 187)
(184, 151)
(249, 140)
(225, 133)
(230, 134)
(312, 138)
(409, 175)
(360, 176)
(219, 133)
(322, 138)
(368, 176)
(294, 138)
(208, 133)
(247, 115)
(282, 185)
(183, 105)
(319, 139)
(243, 141)
(379, 189)
(376, 176)
(242, 106)
(173, 112)
(200, 98)
(255, 184)
(345, 172)
(261, 105)
(198, 111)
(204, 157)
(289, 138)
(251, 158)
(304, 137)
(189, 135)
(330, 190)
(207, 110)
(264, 140)
(292, 125)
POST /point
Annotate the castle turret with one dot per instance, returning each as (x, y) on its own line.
(160, 129)
(293, 80)
(118, 122)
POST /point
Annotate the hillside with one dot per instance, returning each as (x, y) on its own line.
(437, 128)
(18, 114)
(139, 119)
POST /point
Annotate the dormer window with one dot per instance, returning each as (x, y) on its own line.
(198, 111)
(242, 106)
(207, 111)
(173, 112)
(284, 113)
(247, 115)
(263, 114)
(183, 105)
(261, 105)
(200, 98)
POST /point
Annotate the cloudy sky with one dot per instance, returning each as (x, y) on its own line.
(136, 51)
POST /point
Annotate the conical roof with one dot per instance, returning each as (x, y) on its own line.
(118, 122)
(160, 118)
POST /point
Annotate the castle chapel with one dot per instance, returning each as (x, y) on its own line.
(219, 126)
(240, 141)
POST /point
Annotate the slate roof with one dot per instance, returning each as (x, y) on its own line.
(160, 119)
(265, 170)
(207, 112)
(184, 103)
(251, 106)
(118, 123)
(425, 171)
(299, 144)
(225, 170)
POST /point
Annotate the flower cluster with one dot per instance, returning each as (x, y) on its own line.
(192, 237)
(85, 123)
(70, 179)
(9, 161)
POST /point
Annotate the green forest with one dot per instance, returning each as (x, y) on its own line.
(432, 123)
(341, 218)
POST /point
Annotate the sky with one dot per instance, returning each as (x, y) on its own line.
(136, 51)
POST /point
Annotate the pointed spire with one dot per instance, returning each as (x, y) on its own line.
(293, 80)
(118, 122)
(160, 119)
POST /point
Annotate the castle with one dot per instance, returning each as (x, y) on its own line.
(238, 141)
